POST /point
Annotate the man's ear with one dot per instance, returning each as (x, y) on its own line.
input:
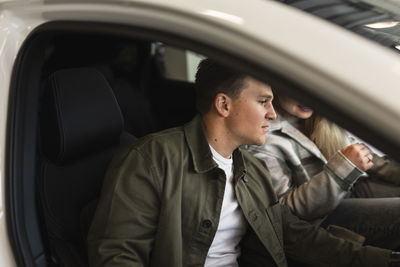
(222, 104)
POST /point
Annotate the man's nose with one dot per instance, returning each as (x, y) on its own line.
(271, 115)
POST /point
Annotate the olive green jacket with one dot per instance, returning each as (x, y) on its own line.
(162, 199)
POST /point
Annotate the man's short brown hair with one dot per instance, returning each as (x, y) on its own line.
(213, 78)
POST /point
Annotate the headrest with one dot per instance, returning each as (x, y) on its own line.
(80, 114)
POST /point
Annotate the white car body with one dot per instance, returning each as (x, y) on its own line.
(353, 74)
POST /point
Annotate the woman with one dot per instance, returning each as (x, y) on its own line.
(325, 181)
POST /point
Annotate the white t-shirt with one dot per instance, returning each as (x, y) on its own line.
(224, 249)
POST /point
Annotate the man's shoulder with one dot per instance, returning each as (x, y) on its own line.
(259, 175)
(153, 148)
(166, 138)
(251, 161)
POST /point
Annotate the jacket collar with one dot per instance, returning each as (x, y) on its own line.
(200, 150)
(282, 125)
(198, 145)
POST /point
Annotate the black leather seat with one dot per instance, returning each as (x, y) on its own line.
(81, 129)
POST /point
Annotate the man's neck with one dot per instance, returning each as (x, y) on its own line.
(217, 137)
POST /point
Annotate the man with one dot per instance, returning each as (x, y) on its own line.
(189, 196)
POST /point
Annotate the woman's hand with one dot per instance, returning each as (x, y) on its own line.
(359, 155)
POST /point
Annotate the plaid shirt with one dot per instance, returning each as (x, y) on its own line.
(302, 178)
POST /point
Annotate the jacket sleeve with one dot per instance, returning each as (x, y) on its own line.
(124, 226)
(314, 246)
(316, 196)
(384, 168)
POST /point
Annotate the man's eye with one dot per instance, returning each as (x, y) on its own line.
(262, 101)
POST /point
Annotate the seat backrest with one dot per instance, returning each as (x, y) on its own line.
(81, 127)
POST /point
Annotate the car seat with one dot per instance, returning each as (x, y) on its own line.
(81, 127)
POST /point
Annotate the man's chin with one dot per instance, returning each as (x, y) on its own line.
(255, 141)
(259, 142)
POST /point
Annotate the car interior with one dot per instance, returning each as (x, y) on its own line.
(91, 94)
(92, 102)
(83, 95)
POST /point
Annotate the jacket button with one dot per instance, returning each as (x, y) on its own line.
(245, 179)
(206, 223)
(253, 215)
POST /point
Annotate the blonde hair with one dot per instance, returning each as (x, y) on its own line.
(328, 136)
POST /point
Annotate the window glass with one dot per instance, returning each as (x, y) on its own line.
(177, 64)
